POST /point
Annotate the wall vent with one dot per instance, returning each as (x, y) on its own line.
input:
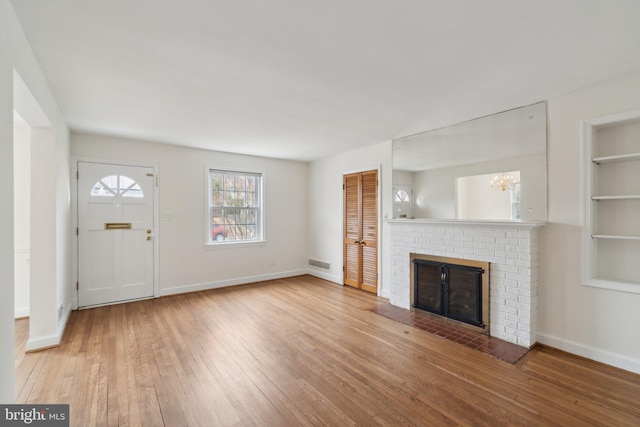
(320, 264)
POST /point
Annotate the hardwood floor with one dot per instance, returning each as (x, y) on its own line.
(302, 351)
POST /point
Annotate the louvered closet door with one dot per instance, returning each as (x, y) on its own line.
(361, 230)
(352, 214)
(369, 233)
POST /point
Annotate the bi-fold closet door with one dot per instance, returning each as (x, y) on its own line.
(361, 230)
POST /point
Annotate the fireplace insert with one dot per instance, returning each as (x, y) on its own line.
(450, 290)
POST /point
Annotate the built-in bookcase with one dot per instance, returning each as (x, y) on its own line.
(611, 253)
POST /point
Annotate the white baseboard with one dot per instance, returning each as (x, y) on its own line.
(22, 312)
(339, 280)
(47, 341)
(315, 272)
(231, 282)
(599, 355)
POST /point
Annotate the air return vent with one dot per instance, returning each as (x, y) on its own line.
(319, 264)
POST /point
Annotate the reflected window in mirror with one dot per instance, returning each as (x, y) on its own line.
(402, 201)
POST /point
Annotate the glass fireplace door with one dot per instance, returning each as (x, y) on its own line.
(449, 290)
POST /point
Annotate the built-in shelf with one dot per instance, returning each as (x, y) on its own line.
(611, 149)
(618, 158)
(628, 197)
(614, 236)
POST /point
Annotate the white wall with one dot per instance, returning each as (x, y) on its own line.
(16, 57)
(49, 273)
(186, 264)
(22, 215)
(6, 212)
(325, 206)
(596, 323)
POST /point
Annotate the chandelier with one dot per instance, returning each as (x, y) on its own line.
(503, 182)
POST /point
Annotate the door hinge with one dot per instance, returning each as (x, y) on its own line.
(77, 231)
(343, 187)
(156, 180)
(77, 174)
(77, 286)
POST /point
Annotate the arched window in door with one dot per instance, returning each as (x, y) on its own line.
(116, 185)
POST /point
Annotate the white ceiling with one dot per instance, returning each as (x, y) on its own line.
(308, 79)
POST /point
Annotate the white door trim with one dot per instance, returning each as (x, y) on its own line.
(74, 218)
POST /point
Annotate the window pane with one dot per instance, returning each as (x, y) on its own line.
(251, 200)
(241, 199)
(251, 183)
(241, 232)
(133, 191)
(240, 182)
(235, 206)
(129, 188)
(402, 196)
(251, 216)
(99, 189)
(125, 182)
(216, 181)
(229, 199)
(216, 198)
(233, 232)
(230, 216)
(111, 182)
(217, 216)
(228, 182)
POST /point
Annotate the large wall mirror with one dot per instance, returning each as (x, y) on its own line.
(491, 168)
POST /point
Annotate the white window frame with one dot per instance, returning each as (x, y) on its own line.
(260, 239)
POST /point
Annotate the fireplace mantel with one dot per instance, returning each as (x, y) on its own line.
(469, 222)
(510, 247)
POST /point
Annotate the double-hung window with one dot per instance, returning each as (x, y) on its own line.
(235, 206)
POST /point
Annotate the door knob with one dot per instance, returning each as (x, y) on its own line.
(149, 237)
(148, 231)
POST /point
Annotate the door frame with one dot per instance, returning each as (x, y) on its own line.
(74, 219)
(378, 168)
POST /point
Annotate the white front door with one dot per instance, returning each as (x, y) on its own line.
(115, 233)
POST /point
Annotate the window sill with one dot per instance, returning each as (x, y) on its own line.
(237, 245)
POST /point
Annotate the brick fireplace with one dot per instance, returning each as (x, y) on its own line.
(510, 248)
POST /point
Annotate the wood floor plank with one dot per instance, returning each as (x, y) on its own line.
(302, 351)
